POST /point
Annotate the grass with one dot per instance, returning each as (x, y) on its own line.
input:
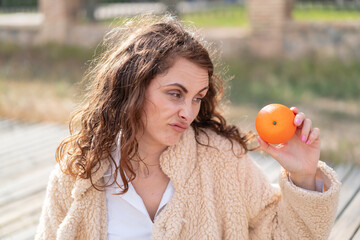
(293, 80)
(325, 14)
(40, 84)
(36, 100)
(235, 15)
(43, 63)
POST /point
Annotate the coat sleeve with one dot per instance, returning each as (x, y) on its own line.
(55, 204)
(289, 212)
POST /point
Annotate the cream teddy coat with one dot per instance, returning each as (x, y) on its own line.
(217, 196)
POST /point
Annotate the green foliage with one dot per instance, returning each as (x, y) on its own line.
(49, 62)
(225, 16)
(327, 13)
(263, 81)
(254, 80)
(235, 15)
(18, 3)
(220, 17)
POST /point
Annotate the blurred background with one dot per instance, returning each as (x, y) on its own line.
(303, 53)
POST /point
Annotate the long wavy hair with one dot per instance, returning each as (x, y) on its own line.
(134, 54)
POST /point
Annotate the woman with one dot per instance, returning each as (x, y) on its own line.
(151, 157)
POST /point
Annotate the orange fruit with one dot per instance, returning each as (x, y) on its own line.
(275, 123)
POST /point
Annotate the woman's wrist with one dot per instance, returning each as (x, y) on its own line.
(304, 181)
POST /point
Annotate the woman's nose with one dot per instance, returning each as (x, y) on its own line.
(186, 113)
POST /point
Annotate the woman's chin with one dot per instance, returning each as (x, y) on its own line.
(172, 140)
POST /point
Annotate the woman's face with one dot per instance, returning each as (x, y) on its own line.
(172, 102)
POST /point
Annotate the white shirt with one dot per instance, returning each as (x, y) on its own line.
(128, 217)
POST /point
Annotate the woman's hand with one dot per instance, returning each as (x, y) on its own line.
(300, 155)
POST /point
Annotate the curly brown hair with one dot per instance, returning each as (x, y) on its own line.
(135, 53)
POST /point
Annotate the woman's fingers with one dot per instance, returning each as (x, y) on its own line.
(314, 135)
(294, 109)
(299, 118)
(306, 129)
(306, 126)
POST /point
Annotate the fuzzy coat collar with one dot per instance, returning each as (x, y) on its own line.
(178, 171)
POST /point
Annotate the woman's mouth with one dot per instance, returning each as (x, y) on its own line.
(179, 127)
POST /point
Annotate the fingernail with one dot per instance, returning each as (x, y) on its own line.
(303, 138)
(308, 142)
(297, 121)
(258, 139)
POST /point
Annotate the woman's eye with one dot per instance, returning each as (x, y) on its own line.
(198, 99)
(175, 94)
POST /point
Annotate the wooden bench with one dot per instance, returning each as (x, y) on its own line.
(27, 158)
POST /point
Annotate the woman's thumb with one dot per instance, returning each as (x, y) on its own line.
(268, 148)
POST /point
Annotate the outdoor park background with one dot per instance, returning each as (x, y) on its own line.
(39, 81)
(303, 53)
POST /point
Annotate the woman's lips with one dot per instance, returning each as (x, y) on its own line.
(178, 127)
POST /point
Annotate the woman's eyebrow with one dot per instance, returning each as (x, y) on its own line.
(207, 87)
(184, 88)
(178, 85)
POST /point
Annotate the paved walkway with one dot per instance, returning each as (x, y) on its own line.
(27, 157)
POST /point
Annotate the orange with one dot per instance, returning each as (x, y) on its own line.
(275, 123)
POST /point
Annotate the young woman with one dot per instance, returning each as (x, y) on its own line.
(150, 156)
